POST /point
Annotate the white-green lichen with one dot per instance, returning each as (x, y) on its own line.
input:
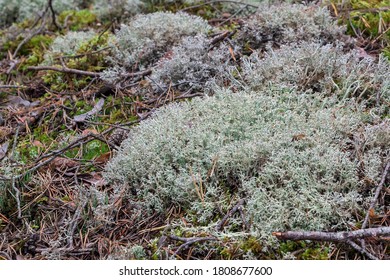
(321, 69)
(146, 39)
(193, 64)
(285, 23)
(286, 154)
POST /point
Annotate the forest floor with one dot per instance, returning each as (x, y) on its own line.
(60, 125)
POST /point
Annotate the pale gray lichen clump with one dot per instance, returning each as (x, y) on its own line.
(116, 9)
(318, 68)
(19, 10)
(194, 64)
(288, 157)
(67, 45)
(146, 39)
(284, 23)
(298, 137)
(71, 42)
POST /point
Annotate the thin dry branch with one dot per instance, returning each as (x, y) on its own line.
(341, 236)
(53, 15)
(236, 208)
(28, 37)
(73, 224)
(64, 70)
(377, 193)
(189, 241)
(361, 250)
(221, 37)
(83, 54)
(17, 192)
(11, 86)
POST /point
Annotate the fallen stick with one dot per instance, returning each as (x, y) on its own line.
(236, 208)
(377, 193)
(84, 73)
(189, 241)
(361, 250)
(341, 236)
(64, 70)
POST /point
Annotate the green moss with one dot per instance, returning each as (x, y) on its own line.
(305, 251)
(386, 52)
(317, 252)
(42, 136)
(33, 50)
(117, 115)
(76, 20)
(94, 149)
(251, 244)
(7, 202)
(226, 253)
(369, 23)
(366, 18)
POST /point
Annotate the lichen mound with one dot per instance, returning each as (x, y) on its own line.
(288, 155)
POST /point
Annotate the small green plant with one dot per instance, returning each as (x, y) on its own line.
(77, 20)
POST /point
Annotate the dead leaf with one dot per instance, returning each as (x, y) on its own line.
(298, 137)
(372, 214)
(94, 111)
(17, 101)
(5, 132)
(3, 149)
(232, 53)
(38, 144)
(96, 180)
(102, 159)
(61, 164)
(226, 15)
(89, 131)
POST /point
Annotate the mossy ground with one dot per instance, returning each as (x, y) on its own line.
(56, 191)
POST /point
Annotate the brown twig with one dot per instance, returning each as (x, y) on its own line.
(189, 241)
(242, 214)
(53, 14)
(17, 192)
(377, 193)
(236, 208)
(74, 222)
(83, 54)
(361, 250)
(223, 36)
(64, 70)
(342, 236)
(80, 141)
(11, 86)
(28, 38)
